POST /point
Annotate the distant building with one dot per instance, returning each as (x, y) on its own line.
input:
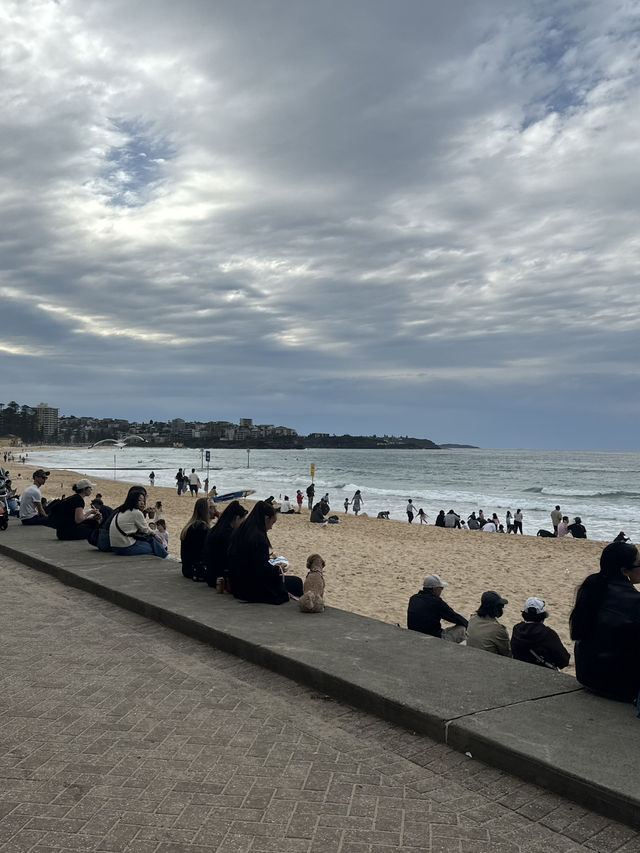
(47, 420)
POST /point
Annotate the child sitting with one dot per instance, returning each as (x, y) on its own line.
(161, 530)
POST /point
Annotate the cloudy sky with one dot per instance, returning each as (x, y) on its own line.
(406, 217)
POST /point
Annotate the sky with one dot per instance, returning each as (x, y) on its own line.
(404, 217)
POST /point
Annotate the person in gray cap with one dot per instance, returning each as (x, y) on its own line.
(485, 632)
(426, 609)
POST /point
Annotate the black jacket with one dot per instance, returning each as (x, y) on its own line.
(216, 547)
(425, 612)
(534, 636)
(252, 576)
(192, 549)
(608, 659)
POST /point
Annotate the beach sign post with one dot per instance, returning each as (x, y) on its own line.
(313, 470)
(207, 456)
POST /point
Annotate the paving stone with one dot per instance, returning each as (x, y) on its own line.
(121, 736)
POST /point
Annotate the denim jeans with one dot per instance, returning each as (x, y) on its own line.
(141, 547)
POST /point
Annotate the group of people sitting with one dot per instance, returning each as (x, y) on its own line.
(531, 640)
(478, 521)
(604, 623)
(232, 547)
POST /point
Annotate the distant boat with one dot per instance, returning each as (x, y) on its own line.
(233, 496)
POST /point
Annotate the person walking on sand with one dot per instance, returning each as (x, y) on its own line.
(356, 502)
(152, 478)
(422, 515)
(556, 518)
(179, 479)
(410, 511)
(346, 505)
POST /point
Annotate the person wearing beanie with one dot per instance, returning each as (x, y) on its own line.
(534, 642)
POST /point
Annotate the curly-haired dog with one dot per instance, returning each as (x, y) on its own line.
(312, 600)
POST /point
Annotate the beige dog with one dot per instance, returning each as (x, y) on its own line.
(311, 600)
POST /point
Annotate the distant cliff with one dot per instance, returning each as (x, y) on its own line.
(368, 442)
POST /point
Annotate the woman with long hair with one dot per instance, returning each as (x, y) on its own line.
(71, 519)
(192, 539)
(605, 625)
(216, 544)
(129, 533)
(252, 576)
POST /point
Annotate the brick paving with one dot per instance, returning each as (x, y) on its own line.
(117, 734)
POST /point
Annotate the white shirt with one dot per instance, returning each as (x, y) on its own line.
(30, 497)
(490, 527)
(285, 506)
(194, 480)
(130, 521)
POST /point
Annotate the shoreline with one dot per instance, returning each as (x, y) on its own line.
(374, 565)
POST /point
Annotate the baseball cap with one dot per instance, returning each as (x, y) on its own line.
(84, 484)
(491, 597)
(41, 473)
(536, 604)
(434, 582)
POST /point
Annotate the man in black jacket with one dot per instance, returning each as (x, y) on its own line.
(426, 609)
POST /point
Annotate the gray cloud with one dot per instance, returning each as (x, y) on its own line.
(354, 217)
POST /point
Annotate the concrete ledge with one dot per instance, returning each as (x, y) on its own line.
(537, 724)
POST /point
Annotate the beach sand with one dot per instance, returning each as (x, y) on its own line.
(374, 566)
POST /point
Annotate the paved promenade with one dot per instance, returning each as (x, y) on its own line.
(119, 734)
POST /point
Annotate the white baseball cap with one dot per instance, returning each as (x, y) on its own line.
(434, 582)
(536, 604)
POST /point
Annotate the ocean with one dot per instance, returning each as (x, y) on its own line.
(602, 487)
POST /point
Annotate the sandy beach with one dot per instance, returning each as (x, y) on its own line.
(374, 566)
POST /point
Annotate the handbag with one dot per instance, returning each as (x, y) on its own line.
(137, 535)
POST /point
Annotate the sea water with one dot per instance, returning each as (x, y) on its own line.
(602, 487)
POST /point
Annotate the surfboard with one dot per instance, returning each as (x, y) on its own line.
(233, 496)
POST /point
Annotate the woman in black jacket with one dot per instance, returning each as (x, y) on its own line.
(534, 642)
(192, 539)
(605, 624)
(217, 542)
(252, 576)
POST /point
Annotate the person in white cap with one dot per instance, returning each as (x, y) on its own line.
(71, 520)
(426, 609)
(533, 642)
(485, 632)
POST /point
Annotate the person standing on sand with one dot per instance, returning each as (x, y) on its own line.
(299, 500)
(194, 483)
(179, 479)
(346, 505)
(517, 522)
(556, 518)
(410, 510)
(152, 478)
(356, 502)
(311, 490)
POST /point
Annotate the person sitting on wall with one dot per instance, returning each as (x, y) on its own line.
(427, 608)
(534, 642)
(31, 510)
(485, 632)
